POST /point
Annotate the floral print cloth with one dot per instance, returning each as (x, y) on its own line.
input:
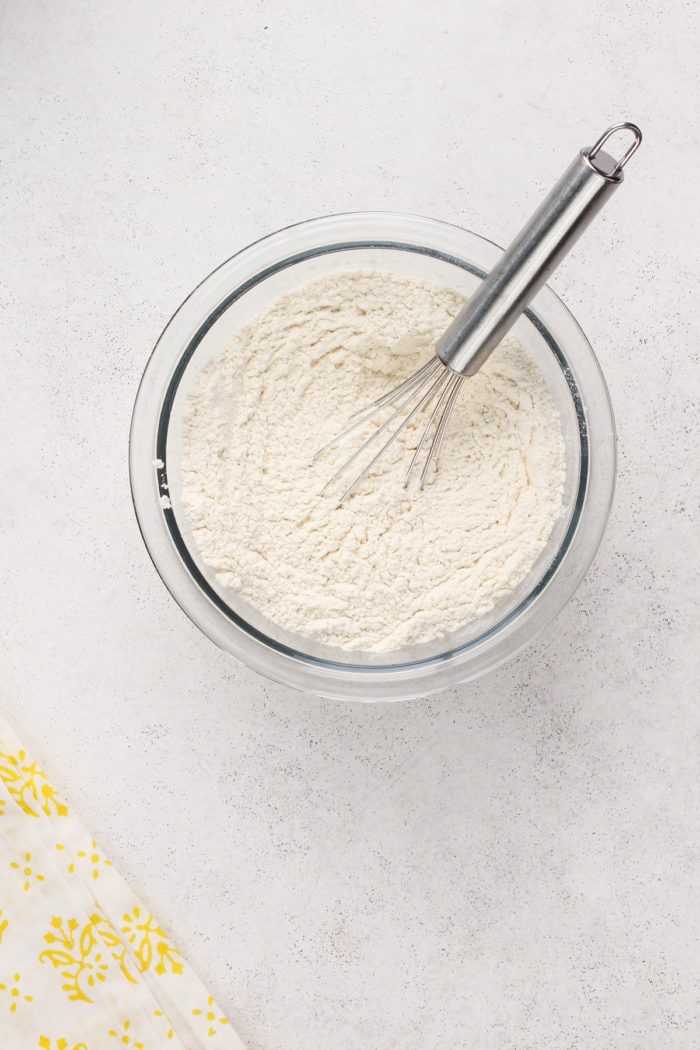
(83, 965)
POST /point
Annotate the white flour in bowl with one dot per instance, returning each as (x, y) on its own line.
(390, 567)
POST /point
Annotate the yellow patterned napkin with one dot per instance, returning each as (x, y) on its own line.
(83, 965)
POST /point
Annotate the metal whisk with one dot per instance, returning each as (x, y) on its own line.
(489, 315)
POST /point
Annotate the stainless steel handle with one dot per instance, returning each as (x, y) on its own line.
(535, 253)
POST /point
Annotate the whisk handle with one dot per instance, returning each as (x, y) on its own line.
(535, 253)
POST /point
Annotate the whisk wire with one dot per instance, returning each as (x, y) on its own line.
(429, 368)
(377, 433)
(422, 403)
(434, 452)
(369, 411)
(424, 437)
(411, 396)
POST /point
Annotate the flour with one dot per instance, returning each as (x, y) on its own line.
(390, 567)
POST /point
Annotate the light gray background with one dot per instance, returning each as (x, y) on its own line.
(513, 864)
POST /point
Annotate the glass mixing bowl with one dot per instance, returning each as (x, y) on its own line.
(231, 297)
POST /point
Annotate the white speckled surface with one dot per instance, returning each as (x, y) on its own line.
(513, 864)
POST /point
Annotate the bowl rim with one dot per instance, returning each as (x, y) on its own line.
(158, 524)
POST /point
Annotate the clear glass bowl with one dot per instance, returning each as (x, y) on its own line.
(232, 296)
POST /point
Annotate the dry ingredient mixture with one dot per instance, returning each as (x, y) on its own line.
(390, 567)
